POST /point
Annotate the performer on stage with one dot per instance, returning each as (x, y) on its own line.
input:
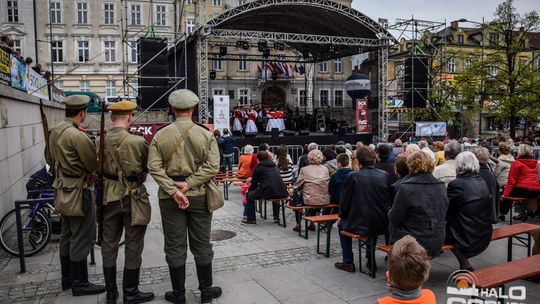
(273, 121)
(251, 127)
(237, 126)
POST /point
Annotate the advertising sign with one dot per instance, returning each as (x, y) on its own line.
(221, 112)
(362, 126)
(146, 130)
(18, 73)
(5, 74)
(428, 128)
(37, 85)
(57, 95)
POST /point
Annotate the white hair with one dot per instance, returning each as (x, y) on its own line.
(398, 143)
(482, 154)
(372, 147)
(524, 150)
(411, 148)
(248, 149)
(312, 146)
(467, 162)
(423, 144)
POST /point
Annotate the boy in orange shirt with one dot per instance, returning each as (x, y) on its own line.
(408, 269)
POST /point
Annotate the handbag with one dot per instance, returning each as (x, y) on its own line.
(297, 197)
(214, 196)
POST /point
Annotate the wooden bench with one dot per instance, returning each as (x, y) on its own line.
(227, 182)
(364, 242)
(307, 207)
(324, 224)
(515, 201)
(507, 232)
(282, 203)
(499, 275)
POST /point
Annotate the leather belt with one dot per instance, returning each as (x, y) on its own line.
(178, 178)
(108, 176)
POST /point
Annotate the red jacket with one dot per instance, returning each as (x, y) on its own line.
(523, 174)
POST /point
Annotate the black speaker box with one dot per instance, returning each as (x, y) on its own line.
(288, 133)
(275, 132)
(304, 132)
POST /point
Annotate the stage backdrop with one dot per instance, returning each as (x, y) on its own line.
(221, 112)
(362, 126)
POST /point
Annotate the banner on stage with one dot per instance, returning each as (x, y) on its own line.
(362, 126)
(221, 112)
(430, 128)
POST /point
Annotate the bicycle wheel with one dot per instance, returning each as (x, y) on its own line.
(36, 234)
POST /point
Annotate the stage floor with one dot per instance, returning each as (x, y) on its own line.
(296, 139)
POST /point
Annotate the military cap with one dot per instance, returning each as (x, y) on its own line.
(76, 102)
(123, 107)
(183, 99)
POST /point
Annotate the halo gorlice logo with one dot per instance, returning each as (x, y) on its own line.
(461, 288)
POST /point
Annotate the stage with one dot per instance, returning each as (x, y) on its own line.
(296, 139)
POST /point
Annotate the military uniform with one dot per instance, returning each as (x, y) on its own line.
(195, 160)
(125, 206)
(73, 158)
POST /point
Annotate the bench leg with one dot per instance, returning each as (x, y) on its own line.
(512, 213)
(306, 231)
(529, 243)
(373, 264)
(299, 224)
(509, 251)
(360, 244)
(328, 237)
(318, 236)
(282, 205)
(265, 205)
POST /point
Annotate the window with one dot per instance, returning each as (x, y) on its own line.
(231, 94)
(59, 84)
(56, 12)
(189, 2)
(82, 12)
(338, 66)
(84, 86)
(133, 52)
(110, 51)
(135, 87)
(460, 39)
(323, 67)
(217, 65)
(324, 98)
(242, 63)
(83, 50)
(190, 25)
(451, 66)
(57, 51)
(135, 14)
(218, 92)
(108, 13)
(17, 47)
(493, 70)
(13, 11)
(216, 2)
(243, 97)
(110, 88)
(338, 98)
(302, 98)
(240, 2)
(161, 15)
(493, 39)
(400, 71)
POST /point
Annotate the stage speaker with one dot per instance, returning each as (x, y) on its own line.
(275, 132)
(250, 134)
(342, 132)
(289, 133)
(304, 132)
(154, 70)
(416, 82)
(222, 50)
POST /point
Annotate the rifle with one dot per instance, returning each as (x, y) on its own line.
(45, 124)
(99, 182)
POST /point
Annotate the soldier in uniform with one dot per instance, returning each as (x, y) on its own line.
(125, 203)
(73, 158)
(183, 157)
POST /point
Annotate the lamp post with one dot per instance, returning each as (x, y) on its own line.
(482, 93)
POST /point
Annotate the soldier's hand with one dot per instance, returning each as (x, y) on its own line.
(183, 186)
(181, 200)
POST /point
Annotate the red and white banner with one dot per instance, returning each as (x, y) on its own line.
(362, 126)
(147, 130)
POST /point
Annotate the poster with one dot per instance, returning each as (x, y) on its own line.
(362, 126)
(146, 130)
(56, 94)
(221, 112)
(5, 74)
(18, 73)
(36, 85)
(429, 128)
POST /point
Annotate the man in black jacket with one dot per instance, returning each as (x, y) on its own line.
(363, 206)
(228, 144)
(266, 183)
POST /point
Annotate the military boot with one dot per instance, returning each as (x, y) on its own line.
(130, 285)
(79, 280)
(110, 284)
(178, 280)
(66, 273)
(208, 292)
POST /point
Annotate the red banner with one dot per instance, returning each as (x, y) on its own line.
(362, 126)
(147, 130)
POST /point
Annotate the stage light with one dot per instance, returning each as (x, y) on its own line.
(212, 75)
(279, 46)
(266, 53)
(262, 45)
(239, 44)
(222, 50)
(245, 45)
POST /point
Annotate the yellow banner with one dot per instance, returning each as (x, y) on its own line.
(4, 62)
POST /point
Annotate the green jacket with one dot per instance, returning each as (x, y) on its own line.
(132, 153)
(198, 163)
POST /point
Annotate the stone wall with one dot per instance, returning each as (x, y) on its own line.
(21, 141)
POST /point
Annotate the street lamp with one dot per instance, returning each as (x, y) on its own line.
(482, 93)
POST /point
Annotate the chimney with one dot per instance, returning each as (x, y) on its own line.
(454, 24)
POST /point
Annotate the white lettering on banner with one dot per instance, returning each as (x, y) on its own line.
(36, 84)
(221, 112)
(144, 130)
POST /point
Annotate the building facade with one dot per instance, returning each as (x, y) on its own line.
(17, 21)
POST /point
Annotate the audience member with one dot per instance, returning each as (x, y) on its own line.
(6, 43)
(402, 172)
(284, 163)
(363, 206)
(523, 180)
(470, 211)
(313, 180)
(244, 190)
(244, 163)
(447, 171)
(482, 154)
(410, 149)
(408, 269)
(397, 148)
(439, 153)
(266, 183)
(424, 146)
(219, 141)
(303, 160)
(228, 144)
(37, 68)
(420, 205)
(501, 172)
(338, 178)
(384, 163)
(330, 161)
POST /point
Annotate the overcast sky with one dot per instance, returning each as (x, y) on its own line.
(437, 10)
